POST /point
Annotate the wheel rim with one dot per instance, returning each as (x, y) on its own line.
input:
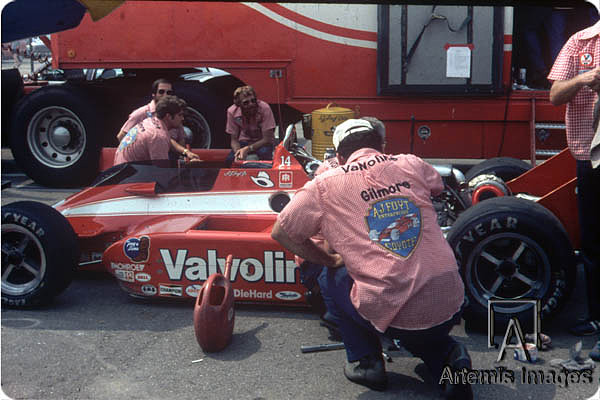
(23, 260)
(56, 137)
(197, 129)
(508, 266)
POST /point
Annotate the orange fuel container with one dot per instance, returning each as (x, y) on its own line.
(214, 315)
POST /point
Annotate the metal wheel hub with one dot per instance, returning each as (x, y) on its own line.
(507, 269)
(56, 137)
(23, 260)
(15, 257)
(508, 266)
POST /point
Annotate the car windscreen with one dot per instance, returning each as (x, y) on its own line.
(168, 174)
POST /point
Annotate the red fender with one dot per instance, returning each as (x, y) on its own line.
(214, 315)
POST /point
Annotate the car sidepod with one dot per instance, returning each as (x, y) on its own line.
(154, 262)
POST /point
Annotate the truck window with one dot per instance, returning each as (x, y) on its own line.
(439, 49)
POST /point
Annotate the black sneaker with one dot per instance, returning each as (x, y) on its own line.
(457, 360)
(586, 328)
(369, 371)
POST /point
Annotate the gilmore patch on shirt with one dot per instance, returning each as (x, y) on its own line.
(395, 224)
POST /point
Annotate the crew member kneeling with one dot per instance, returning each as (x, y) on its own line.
(401, 278)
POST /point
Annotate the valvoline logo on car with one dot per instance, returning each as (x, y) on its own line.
(395, 224)
(137, 249)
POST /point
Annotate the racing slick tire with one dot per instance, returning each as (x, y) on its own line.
(506, 168)
(511, 248)
(54, 137)
(40, 253)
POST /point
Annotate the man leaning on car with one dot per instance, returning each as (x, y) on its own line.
(150, 140)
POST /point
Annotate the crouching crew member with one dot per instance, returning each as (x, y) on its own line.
(401, 278)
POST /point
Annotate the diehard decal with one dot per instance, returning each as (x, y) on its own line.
(137, 249)
(252, 294)
(395, 224)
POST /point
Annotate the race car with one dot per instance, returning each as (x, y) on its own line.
(162, 228)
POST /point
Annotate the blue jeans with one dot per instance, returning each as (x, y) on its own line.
(264, 153)
(431, 345)
(588, 201)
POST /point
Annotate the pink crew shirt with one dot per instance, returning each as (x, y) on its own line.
(148, 140)
(376, 212)
(148, 111)
(250, 131)
(581, 53)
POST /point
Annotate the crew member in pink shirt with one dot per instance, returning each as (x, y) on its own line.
(160, 88)
(401, 278)
(150, 140)
(251, 124)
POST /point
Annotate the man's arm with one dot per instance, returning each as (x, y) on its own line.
(268, 137)
(183, 151)
(307, 249)
(562, 92)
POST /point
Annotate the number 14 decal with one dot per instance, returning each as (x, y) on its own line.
(285, 162)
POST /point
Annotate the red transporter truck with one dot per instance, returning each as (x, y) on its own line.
(440, 77)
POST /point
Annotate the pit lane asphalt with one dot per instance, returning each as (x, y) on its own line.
(96, 342)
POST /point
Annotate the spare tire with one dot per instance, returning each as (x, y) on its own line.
(506, 168)
(55, 137)
(40, 253)
(512, 249)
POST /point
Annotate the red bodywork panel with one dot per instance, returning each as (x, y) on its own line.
(163, 244)
(554, 182)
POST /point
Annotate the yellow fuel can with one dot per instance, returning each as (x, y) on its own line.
(324, 121)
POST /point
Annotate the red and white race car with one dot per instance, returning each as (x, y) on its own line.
(162, 228)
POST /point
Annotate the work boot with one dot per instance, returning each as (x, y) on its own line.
(457, 360)
(369, 371)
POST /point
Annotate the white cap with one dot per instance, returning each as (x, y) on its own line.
(349, 127)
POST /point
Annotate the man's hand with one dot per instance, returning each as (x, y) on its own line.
(192, 156)
(591, 78)
(562, 92)
(242, 153)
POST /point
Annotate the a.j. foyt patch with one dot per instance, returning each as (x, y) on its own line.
(395, 224)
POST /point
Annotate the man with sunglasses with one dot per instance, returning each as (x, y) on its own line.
(251, 124)
(160, 88)
(150, 139)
